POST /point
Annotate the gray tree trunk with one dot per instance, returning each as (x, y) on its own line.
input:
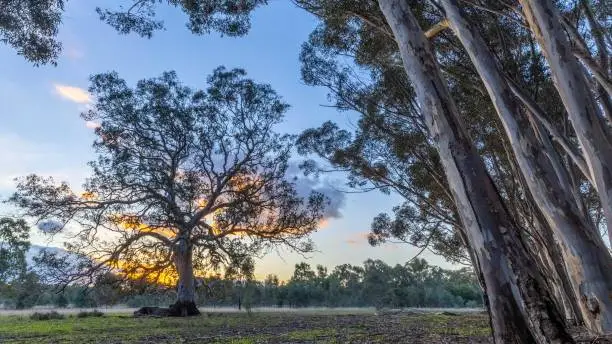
(185, 290)
(588, 262)
(521, 307)
(568, 76)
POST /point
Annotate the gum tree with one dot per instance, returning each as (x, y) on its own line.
(186, 181)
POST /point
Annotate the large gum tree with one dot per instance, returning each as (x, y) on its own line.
(186, 181)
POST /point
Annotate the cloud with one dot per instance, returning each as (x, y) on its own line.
(305, 185)
(72, 93)
(92, 125)
(323, 223)
(50, 226)
(74, 54)
(359, 238)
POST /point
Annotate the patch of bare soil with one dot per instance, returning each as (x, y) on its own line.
(295, 328)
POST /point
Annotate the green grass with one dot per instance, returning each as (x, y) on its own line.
(240, 328)
(310, 334)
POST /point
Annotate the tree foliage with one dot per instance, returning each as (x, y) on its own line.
(179, 168)
(14, 244)
(31, 27)
(371, 284)
(231, 18)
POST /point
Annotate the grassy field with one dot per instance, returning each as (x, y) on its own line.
(241, 328)
(262, 327)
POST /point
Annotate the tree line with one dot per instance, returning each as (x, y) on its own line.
(373, 284)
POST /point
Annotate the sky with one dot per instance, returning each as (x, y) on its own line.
(41, 131)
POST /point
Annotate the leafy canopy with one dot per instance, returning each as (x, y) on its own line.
(30, 27)
(231, 17)
(177, 165)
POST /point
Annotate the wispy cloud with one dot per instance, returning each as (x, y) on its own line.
(74, 54)
(359, 238)
(92, 125)
(72, 93)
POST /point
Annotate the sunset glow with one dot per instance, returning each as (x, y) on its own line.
(133, 223)
(147, 272)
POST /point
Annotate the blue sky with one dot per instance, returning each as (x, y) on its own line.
(41, 131)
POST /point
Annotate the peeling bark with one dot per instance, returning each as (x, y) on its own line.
(545, 23)
(521, 307)
(586, 257)
(436, 29)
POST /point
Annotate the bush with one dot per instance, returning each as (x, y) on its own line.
(46, 316)
(94, 313)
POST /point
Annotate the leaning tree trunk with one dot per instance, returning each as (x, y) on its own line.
(183, 261)
(568, 76)
(520, 305)
(588, 262)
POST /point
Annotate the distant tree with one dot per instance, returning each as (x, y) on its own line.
(377, 283)
(107, 289)
(83, 299)
(186, 181)
(270, 293)
(61, 301)
(14, 244)
(303, 272)
(28, 290)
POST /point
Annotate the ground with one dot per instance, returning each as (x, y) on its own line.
(260, 327)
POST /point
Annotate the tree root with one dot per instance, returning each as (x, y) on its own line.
(178, 309)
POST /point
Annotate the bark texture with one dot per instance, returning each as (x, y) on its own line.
(586, 257)
(521, 307)
(183, 260)
(568, 76)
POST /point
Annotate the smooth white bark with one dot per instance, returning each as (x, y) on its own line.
(568, 76)
(521, 307)
(587, 260)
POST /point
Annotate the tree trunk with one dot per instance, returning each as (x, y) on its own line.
(604, 90)
(521, 307)
(586, 257)
(568, 76)
(553, 266)
(185, 290)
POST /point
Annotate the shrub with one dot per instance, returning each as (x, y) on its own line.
(94, 313)
(46, 316)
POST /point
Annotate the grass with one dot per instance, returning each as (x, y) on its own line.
(240, 328)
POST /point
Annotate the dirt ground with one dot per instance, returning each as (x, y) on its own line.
(262, 327)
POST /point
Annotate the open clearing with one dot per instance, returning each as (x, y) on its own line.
(242, 328)
(260, 327)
